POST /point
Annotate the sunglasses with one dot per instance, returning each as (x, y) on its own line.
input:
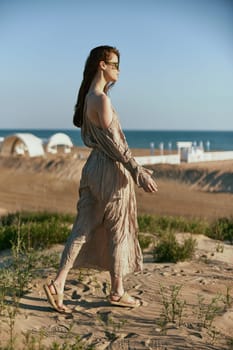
(115, 65)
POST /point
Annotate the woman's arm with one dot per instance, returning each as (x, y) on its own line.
(114, 144)
(104, 111)
(99, 110)
(142, 177)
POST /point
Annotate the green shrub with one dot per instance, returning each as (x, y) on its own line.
(147, 223)
(144, 241)
(37, 230)
(222, 229)
(169, 250)
(173, 306)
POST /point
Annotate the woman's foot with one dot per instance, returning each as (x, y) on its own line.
(55, 298)
(124, 300)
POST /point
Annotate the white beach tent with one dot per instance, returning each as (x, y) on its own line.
(59, 140)
(22, 144)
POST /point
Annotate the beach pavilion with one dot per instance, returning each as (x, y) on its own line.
(59, 142)
(22, 144)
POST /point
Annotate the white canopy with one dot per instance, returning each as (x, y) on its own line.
(21, 144)
(59, 140)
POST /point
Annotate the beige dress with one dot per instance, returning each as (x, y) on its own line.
(104, 235)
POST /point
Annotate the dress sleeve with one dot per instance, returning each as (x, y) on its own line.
(112, 142)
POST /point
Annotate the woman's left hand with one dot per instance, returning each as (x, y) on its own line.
(147, 182)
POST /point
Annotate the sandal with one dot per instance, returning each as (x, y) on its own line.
(56, 299)
(124, 301)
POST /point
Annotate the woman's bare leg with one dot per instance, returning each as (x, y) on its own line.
(116, 285)
(71, 251)
(59, 282)
(117, 289)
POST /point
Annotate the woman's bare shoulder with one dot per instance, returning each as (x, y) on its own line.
(98, 99)
(99, 109)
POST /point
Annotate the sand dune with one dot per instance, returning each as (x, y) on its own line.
(203, 190)
(218, 178)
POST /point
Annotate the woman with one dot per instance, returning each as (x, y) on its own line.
(104, 235)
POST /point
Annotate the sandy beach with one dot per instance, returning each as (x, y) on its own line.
(200, 190)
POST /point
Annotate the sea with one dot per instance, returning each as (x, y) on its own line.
(151, 139)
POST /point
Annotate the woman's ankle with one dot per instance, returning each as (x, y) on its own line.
(117, 294)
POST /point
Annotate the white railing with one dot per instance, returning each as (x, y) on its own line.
(209, 156)
(168, 159)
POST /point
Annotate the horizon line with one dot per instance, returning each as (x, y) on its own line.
(125, 129)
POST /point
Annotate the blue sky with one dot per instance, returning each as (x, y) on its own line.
(176, 61)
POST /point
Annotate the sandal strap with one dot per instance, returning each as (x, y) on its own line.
(58, 297)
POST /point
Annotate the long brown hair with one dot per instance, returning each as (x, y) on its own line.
(100, 53)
